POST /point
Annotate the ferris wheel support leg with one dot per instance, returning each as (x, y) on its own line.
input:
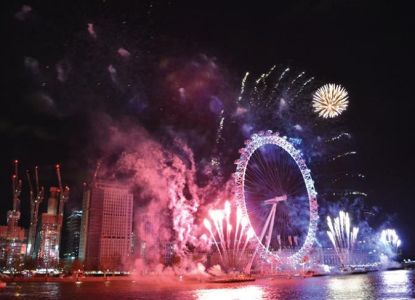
(271, 226)
(249, 265)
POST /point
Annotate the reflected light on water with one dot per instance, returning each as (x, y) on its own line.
(396, 282)
(352, 287)
(243, 293)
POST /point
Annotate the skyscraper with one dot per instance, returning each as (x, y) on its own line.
(12, 236)
(73, 234)
(106, 227)
(48, 253)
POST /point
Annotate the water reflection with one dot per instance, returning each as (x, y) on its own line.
(377, 285)
(243, 293)
(396, 283)
(350, 287)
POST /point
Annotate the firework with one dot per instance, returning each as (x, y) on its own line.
(330, 100)
(231, 242)
(390, 238)
(344, 154)
(242, 87)
(342, 235)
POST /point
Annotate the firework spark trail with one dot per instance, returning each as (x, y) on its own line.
(209, 228)
(348, 231)
(219, 132)
(300, 90)
(342, 236)
(339, 136)
(249, 235)
(230, 241)
(244, 224)
(390, 238)
(344, 155)
(351, 175)
(228, 223)
(238, 222)
(215, 161)
(215, 216)
(275, 88)
(341, 222)
(263, 81)
(265, 75)
(295, 80)
(242, 87)
(220, 128)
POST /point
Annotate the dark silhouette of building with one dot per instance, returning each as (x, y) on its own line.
(73, 234)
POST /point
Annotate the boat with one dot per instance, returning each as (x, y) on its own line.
(232, 279)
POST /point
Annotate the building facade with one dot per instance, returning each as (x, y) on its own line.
(73, 234)
(106, 226)
(48, 252)
(12, 247)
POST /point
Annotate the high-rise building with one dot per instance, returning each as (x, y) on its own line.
(106, 227)
(12, 246)
(13, 237)
(73, 234)
(48, 253)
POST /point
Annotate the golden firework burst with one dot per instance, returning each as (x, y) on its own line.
(330, 100)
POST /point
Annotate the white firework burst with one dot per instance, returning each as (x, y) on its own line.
(330, 100)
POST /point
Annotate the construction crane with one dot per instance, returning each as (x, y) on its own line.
(13, 216)
(35, 201)
(17, 187)
(63, 197)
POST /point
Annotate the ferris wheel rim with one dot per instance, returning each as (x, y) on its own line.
(256, 141)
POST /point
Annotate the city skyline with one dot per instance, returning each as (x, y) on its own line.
(206, 150)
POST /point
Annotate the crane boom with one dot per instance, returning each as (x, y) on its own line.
(34, 209)
(37, 179)
(29, 180)
(63, 197)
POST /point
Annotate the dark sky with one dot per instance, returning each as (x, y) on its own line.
(365, 46)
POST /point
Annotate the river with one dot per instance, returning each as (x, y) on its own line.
(398, 284)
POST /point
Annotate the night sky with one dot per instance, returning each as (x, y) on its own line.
(364, 46)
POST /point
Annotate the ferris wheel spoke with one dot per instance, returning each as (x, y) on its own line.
(257, 179)
(255, 184)
(258, 176)
(262, 162)
(299, 187)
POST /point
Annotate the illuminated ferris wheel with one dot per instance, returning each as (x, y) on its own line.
(276, 193)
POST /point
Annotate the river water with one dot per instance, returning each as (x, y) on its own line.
(399, 284)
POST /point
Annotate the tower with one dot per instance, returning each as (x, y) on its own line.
(13, 236)
(106, 230)
(48, 254)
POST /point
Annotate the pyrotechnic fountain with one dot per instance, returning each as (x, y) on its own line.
(390, 238)
(342, 236)
(390, 242)
(231, 242)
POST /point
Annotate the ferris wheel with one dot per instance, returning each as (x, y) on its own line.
(276, 193)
